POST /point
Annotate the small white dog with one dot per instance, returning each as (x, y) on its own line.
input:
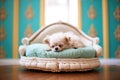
(60, 41)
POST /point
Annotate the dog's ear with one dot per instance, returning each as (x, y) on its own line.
(46, 40)
(67, 39)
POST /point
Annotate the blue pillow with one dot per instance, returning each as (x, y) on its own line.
(39, 50)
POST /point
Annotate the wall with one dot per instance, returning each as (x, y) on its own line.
(97, 17)
(88, 22)
(17, 24)
(29, 25)
(6, 28)
(105, 24)
(114, 42)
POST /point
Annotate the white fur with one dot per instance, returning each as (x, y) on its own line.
(74, 40)
(59, 41)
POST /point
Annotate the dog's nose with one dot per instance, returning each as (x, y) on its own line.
(56, 49)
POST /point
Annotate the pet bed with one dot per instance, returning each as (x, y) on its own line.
(64, 63)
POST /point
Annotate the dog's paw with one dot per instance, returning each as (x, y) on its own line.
(48, 49)
(74, 48)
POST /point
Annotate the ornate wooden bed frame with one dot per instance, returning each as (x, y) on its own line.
(54, 64)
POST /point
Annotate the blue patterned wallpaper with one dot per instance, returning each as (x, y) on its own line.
(6, 44)
(24, 21)
(113, 23)
(97, 21)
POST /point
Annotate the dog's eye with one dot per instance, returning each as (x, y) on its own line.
(60, 45)
(52, 46)
(72, 45)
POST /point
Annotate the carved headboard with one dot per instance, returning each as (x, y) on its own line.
(38, 36)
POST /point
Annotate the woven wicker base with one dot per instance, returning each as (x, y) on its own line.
(58, 65)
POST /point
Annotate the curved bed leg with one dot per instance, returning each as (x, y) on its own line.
(22, 50)
(98, 50)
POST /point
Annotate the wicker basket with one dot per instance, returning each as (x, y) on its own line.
(57, 65)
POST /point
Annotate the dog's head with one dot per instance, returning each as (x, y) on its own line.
(56, 42)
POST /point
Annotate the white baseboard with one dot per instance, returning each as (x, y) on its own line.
(9, 62)
(110, 61)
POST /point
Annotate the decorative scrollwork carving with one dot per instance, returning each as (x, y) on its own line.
(2, 0)
(92, 0)
(2, 52)
(118, 52)
(3, 13)
(117, 0)
(117, 13)
(29, 12)
(117, 33)
(92, 31)
(30, 0)
(2, 33)
(29, 31)
(92, 12)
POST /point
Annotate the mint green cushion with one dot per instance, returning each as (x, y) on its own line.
(39, 50)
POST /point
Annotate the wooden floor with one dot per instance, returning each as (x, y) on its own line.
(15, 72)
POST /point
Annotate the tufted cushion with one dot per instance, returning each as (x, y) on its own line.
(39, 50)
